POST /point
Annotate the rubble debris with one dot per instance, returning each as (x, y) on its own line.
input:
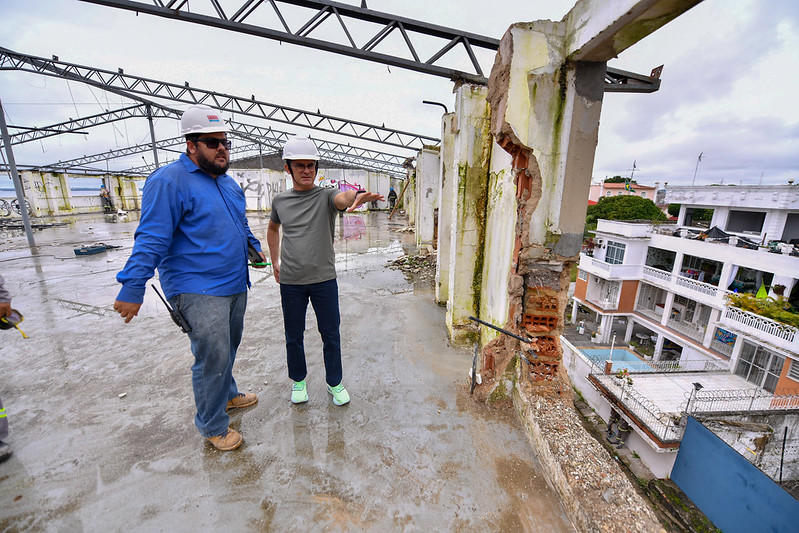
(416, 268)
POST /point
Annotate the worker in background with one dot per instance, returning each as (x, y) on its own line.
(5, 310)
(105, 198)
(392, 198)
(304, 263)
(193, 228)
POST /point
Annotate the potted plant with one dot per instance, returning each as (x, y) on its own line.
(624, 375)
(778, 289)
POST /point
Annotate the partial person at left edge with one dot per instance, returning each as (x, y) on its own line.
(193, 229)
(5, 310)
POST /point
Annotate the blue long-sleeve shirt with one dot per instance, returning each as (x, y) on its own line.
(192, 228)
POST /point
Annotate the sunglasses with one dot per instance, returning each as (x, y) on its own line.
(213, 143)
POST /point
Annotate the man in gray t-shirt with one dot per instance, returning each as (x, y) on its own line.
(306, 265)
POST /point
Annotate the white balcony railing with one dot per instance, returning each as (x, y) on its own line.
(689, 329)
(651, 313)
(721, 347)
(776, 329)
(698, 286)
(609, 271)
(601, 265)
(656, 274)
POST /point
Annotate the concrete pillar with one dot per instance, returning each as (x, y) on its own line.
(713, 320)
(447, 176)
(427, 178)
(681, 216)
(409, 198)
(724, 281)
(678, 258)
(628, 332)
(472, 153)
(61, 188)
(545, 114)
(664, 320)
(500, 239)
(605, 326)
(658, 348)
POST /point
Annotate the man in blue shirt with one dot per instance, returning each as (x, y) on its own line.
(193, 228)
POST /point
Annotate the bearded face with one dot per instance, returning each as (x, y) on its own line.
(215, 166)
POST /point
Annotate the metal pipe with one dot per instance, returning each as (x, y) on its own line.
(12, 165)
(152, 135)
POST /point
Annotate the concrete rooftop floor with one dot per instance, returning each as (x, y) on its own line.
(411, 452)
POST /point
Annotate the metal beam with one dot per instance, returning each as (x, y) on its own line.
(321, 12)
(325, 12)
(273, 140)
(71, 126)
(127, 85)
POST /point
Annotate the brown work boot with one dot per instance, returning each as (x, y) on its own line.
(242, 400)
(231, 440)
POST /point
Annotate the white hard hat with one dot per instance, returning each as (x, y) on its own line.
(300, 147)
(201, 118)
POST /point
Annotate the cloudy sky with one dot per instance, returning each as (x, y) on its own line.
(728, 84)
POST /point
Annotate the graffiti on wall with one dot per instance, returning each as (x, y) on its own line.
(259, 190)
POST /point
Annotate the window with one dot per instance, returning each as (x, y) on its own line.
(608, 193)
(759, 366)
(793, 371)
(619, 193)
(582, 274)
(614, 254)
(643, 194)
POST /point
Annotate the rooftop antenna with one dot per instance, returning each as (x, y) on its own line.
(698, 159)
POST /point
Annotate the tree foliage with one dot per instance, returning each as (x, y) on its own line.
(778, 308)
(624, 207)
(674, 210)
(618, 179)
(702, 215)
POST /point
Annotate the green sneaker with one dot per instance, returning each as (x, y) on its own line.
(340, 394)
(299, 394)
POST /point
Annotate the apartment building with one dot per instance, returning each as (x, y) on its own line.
(663, 288)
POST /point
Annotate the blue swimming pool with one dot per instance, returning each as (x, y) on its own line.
(621, 357)
(619, 354)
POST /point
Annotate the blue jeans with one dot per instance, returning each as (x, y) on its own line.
(324, 299)
(216, 324)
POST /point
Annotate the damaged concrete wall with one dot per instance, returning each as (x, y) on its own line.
(446, 197)
(428, 167)
(759, 438)
(468, 196)
(545, 115)
(500, 222)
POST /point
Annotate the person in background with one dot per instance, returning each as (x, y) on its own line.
(105, 198)
(5, 310)
(392, 198)
(193, 228)
(304, 263)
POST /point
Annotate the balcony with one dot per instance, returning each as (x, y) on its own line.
(690, 288)
(607, 271)
(776, 333)
(689, 329)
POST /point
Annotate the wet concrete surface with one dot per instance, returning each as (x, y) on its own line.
(101, 413)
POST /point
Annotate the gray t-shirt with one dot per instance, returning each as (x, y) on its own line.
(308, 219)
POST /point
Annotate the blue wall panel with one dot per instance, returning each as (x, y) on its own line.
(732, 493)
